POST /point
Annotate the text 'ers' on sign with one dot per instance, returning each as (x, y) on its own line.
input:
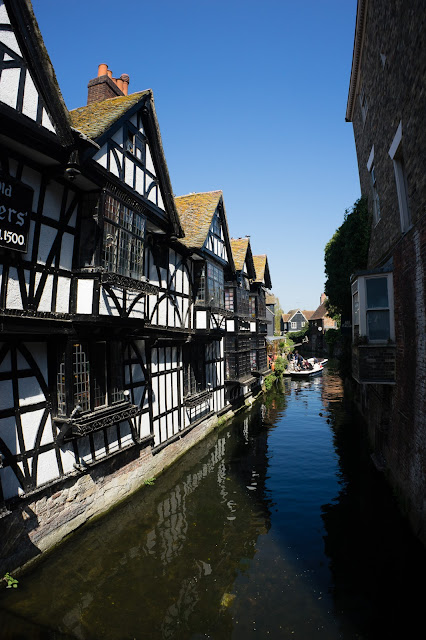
(16, 201)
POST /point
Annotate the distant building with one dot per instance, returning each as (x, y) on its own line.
(295, 320)
(319, 323)
(271, 303)
(387, 106)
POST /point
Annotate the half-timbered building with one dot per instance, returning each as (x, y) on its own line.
(114, 299)
(258, 320)
(238, 375)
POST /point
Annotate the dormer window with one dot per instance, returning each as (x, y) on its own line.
(135, 145)
(216, 229)
(210, 285)
(123, 240)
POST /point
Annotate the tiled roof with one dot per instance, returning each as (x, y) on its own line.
(307, 314)
(239, 248)
(196, 212)
(260, 265)
(270, 299)
(94, 119)
(321, 314)
(286, 317)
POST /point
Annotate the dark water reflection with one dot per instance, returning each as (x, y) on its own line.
(275, 527)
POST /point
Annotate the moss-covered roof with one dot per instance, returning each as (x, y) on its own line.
(94, 119)
(239, 248)
(260, 265)
(196, 211)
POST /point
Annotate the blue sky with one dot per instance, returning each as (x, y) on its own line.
(251, 99)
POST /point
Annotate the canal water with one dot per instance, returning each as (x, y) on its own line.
(275, 526)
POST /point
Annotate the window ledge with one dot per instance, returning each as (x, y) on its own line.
(197, 398)
(88, 423)
(246, 379)
(107, 277)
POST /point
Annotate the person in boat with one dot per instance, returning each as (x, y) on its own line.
(298, 358)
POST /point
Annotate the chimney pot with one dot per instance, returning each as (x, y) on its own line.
(119, 83)
(125, 78)
(102, 69)
(109, 73)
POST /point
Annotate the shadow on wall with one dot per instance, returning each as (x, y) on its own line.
(16, 547)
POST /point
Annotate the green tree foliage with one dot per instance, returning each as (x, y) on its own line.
(278, 313)
(297, 336)
(345, 253)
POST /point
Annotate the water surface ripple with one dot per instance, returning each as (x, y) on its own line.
(276, 526)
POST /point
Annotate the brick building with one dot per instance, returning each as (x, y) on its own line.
(387, 105)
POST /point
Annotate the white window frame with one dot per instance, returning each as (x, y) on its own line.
(395, 153)
(294, 325)
(359, 297)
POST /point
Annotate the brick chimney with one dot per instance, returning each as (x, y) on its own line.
(323, 298)
(105, 86)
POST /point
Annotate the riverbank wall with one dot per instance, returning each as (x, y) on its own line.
(37, 524)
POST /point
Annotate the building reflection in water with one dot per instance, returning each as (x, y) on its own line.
(165, 561)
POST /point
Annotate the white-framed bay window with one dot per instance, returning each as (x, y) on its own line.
(373, 307)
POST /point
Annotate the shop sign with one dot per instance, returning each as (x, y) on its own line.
(16, 201)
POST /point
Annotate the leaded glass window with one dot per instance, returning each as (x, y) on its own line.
(93, 374)
(123, 242)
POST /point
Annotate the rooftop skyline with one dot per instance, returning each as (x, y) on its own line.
(250, 99)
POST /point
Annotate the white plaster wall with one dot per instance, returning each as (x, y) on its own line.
(30, 101)
(9, 80)
(67, 457)
(138, 395)
(63, 295)
(140, 181)
(38, 351)
(114, 165)
(47, 236)
(30, 392)
(67, 248)
(201, 318)
(46, 297)
(149, 163)
(84, 296)
(52, 200)
(128, 171)
(47, 467)
(30, 425)
(145, 426)
(13, 297)
(46, 121)
(118, 137)
(32, 179)
(101, 156)
(107, 305)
